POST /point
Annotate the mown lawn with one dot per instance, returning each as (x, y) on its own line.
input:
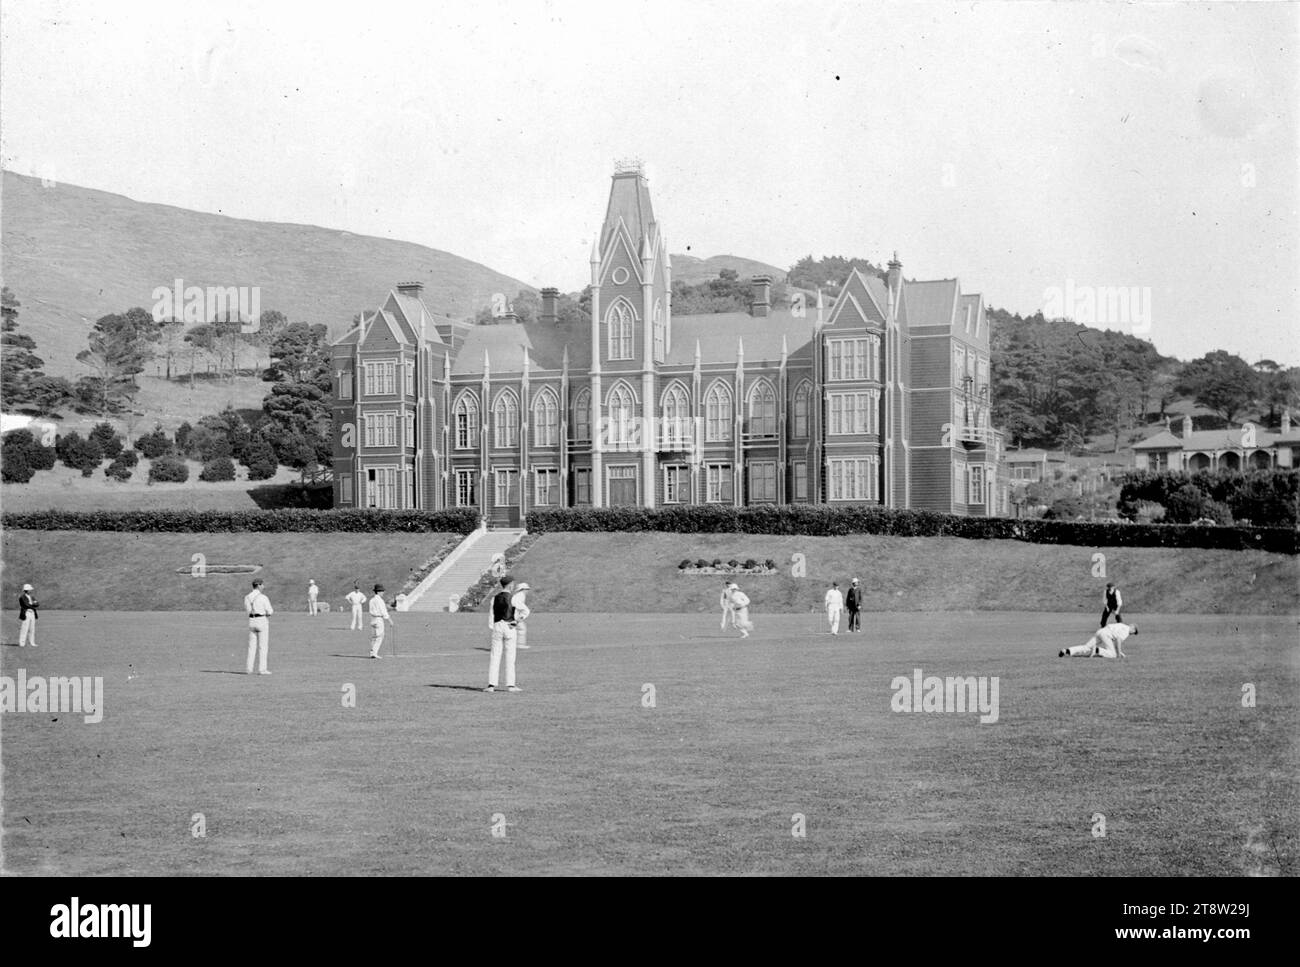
(582, 776)
(638, 572)
(95, 571)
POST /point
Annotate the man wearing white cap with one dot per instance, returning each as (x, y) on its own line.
(312, 593)
(728, 610)
(1106, 643)
(27, 606)
(378, 615)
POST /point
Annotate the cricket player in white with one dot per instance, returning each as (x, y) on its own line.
(312, 593)
(378, 615)
(356, 598)
(740, 601)
(259, 609)
(1106, 643)
(728, 610)
(834, 605)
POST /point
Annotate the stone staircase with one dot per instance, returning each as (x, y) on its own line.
(459, 570)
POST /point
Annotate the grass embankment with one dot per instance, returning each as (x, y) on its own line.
(78, 570)
(638, 573)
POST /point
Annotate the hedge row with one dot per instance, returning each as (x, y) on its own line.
(458, 521)
(820, 521)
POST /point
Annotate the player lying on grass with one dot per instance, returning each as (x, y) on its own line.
(1106, 643)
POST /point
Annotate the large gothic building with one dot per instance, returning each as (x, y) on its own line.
(880, 398)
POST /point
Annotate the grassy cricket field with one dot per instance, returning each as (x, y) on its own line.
(655, 744)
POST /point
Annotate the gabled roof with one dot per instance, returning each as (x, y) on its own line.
(416, 314)
(930, 303)
(1164, 440)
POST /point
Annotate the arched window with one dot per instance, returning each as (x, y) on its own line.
(621, 415)
(619, 321)
(546, 430)
(505, 420)
(465, 419)
(582, 416)
(801, 397)
(659, 332)
(762, 409)
(717, 413)
(677, 416)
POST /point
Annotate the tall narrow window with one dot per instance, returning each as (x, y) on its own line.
(717, 413)
(546, 430)
(582, 416)
(505, 420)
(466, 421)
(762, 410)
(677, 417)
(621, 412)
(659, 333)
(801, 410)
(619, 322)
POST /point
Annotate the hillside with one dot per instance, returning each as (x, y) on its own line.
(692, 270)
(73, 254)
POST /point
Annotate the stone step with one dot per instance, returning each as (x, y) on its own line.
(461, 569)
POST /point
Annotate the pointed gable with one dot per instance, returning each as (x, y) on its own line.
(859, 304)
(931, 303)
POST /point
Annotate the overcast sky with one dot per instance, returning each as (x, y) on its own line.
(1017, 146)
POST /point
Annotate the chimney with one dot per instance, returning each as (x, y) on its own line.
(1187, 426)
(895, 276)
(550, 315)
(1286, 421)
(761, 286)
(410, 288)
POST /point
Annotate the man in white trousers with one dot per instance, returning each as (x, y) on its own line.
(313, 593)
(834, 605)
(27, 608)
(356, 597)
(728, 610)
(378, 615)
(259, 609)
(740, 602)
(1106, 643)
(501, 621)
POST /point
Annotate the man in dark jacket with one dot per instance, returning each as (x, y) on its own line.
(27, 605)
(502, 622)
(1113, 603)
(853, 604)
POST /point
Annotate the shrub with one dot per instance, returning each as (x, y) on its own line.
(168, 469)
(79, 453)
(460, 520)
(701, 563)
(717, 562)
(208, 444)
(222, 468)
(153, 445)
(182, 437)
(260, 459)
(1267, 497)
(14, 467)
(770, 564)
(118, 470)
(733, 563)
(1185, 505)
(107, 440)
(751, 563)
(128, 458)
(34, 455)
(684, 565)
(1148, 511)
